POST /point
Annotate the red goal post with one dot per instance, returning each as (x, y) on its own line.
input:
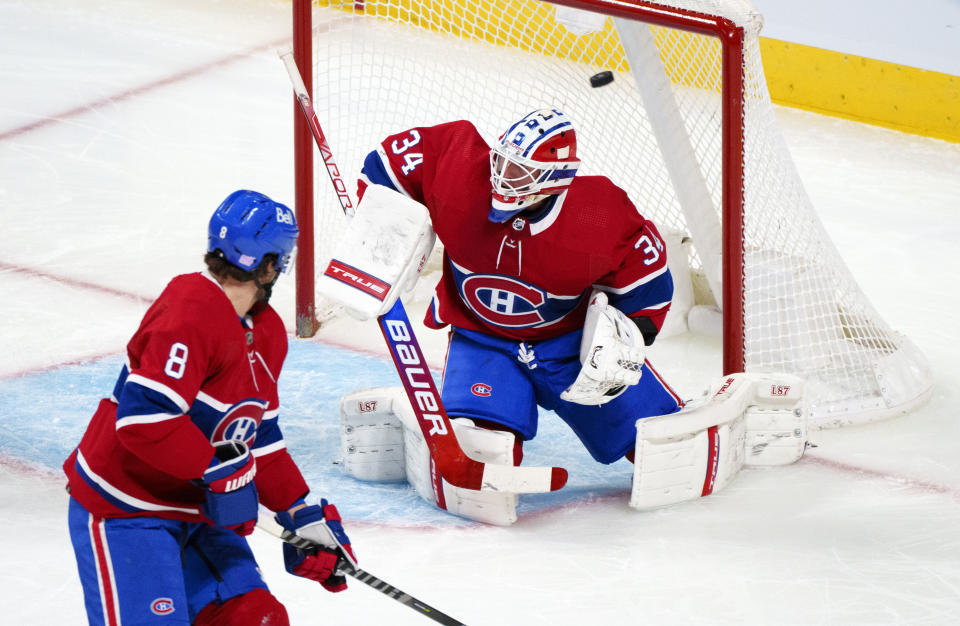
(686, 127)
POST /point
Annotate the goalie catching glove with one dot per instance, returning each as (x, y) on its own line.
(321, 525)
(611, 353)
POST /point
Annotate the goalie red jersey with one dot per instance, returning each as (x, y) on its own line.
(528, 278)
(196, 374)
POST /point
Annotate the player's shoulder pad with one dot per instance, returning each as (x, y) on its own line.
(457, 126)
(603, 190)
(602, 195)
(456, 136)
(197, 293)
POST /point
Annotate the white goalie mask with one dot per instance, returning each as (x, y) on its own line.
(535, 158)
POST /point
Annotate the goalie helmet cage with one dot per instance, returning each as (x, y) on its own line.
(686, 127)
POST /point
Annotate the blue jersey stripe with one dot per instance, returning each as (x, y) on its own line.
(375, 171)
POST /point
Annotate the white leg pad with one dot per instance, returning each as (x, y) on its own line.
(777, 424)
(668, 470)
(381, 440)
(755, 419)
(371, 435)
(489, 446)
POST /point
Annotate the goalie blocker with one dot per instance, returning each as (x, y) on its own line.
(381, 255)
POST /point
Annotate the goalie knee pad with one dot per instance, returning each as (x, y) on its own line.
(381, 440)
(746, 419)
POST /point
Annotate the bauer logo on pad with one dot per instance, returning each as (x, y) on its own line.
(355, 278)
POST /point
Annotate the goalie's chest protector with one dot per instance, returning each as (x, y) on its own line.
(522, 279)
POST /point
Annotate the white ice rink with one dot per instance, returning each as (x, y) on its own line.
(123, 123)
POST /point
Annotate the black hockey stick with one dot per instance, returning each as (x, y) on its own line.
(267, 524)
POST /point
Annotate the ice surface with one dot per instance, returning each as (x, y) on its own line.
(124, 122)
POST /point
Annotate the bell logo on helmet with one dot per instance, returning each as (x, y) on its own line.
(285, 217)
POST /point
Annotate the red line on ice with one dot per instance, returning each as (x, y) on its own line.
(74, 282)
(138, 90)
(906, 481)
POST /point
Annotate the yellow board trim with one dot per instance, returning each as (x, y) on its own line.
(885, 94)
(899, 97)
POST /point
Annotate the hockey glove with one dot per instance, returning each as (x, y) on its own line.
(231, 500)
(611, 355)
(321, 525)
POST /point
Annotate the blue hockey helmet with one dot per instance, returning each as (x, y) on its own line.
(248, 225)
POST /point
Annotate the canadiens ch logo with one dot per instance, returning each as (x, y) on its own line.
(162, 606)
(503, 301)
(481, 389)
(239, 422)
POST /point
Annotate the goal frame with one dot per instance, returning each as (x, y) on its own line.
(731, 40)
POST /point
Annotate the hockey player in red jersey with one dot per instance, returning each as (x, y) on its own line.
(553, 284)
(166, 481)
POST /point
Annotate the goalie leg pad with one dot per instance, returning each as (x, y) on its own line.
(685, 467)
(371, 435)
(489, 446)
(382, 441)
(776, 425)
(754, 419)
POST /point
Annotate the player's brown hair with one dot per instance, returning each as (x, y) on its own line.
(222, 268)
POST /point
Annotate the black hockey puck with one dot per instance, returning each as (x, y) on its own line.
(601, 78)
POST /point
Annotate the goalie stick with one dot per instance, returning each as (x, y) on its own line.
(451, 462)
(306, 106)
(266, 523)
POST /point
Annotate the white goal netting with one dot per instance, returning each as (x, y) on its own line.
(382, 66)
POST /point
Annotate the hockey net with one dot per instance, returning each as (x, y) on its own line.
(686, 128)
